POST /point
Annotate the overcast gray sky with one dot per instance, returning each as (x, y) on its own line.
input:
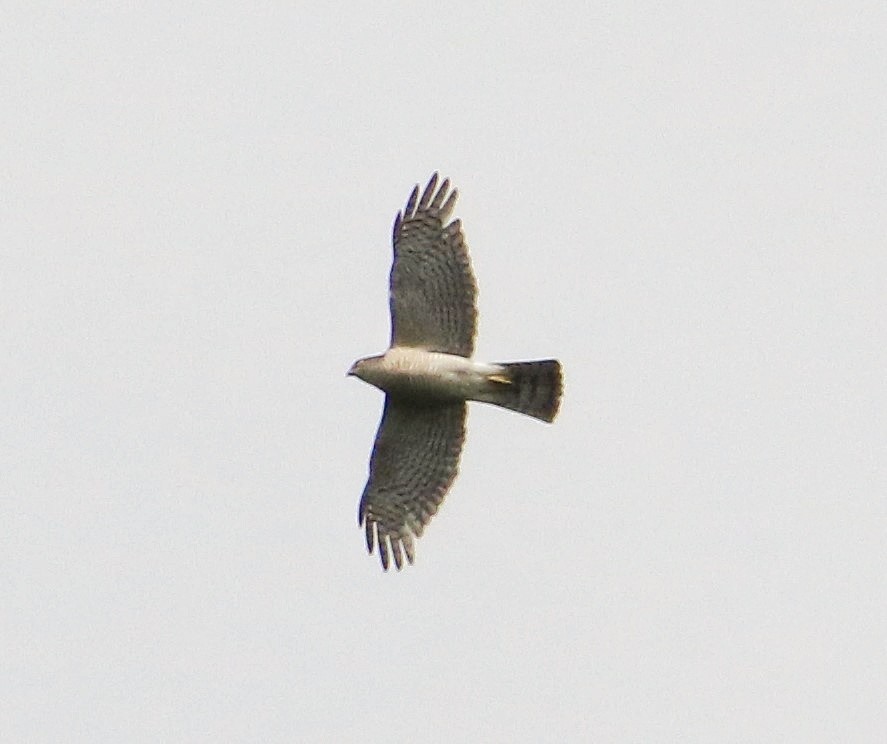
(685, 203)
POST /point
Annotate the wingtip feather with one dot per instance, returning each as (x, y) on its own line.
(425, 200)
(410, 208)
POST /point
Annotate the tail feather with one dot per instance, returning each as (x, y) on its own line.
(533, 388)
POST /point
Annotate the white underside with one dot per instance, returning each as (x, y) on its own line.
(419, 372)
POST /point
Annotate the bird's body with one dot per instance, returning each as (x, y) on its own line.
(428, 376)
(416, 374)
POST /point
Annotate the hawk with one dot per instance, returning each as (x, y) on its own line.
(428, 376)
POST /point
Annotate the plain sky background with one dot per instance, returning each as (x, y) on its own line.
(683, 202)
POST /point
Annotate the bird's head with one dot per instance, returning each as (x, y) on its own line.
(363, 368)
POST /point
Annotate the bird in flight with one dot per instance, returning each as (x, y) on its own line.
(428, 375)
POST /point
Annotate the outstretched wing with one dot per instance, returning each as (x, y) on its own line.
(415, 460)
(432, 289)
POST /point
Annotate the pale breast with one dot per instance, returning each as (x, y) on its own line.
(426, 374)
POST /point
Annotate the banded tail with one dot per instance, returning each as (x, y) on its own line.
(532, 388)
